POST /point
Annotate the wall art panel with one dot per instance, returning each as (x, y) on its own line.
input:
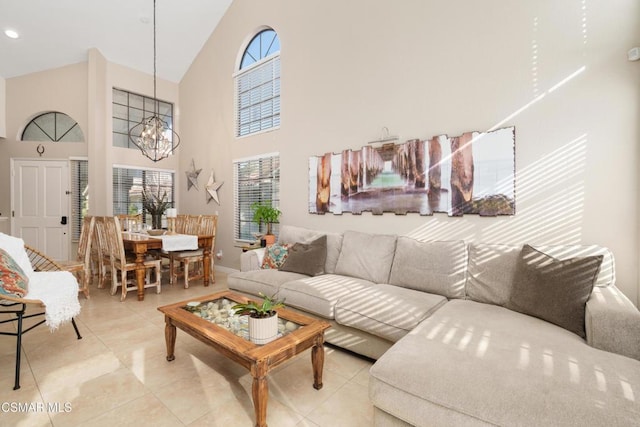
(469, 174)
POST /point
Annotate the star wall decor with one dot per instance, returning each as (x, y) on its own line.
(192, 176)
(212, 188)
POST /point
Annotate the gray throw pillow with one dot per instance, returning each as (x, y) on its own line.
(554, 290)
(307, 258)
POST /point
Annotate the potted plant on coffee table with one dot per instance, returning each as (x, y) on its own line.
(263, 318)
(264, 212)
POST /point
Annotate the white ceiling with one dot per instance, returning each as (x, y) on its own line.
(54, 33)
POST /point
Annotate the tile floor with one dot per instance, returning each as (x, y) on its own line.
(117, 374)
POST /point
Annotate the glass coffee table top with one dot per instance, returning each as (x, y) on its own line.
(219, 312)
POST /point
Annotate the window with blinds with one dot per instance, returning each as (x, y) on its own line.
(257, 179)
(129, 109)
(79, 196)
(128, 184)
(257, 85)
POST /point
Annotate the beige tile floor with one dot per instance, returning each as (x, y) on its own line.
(117, 374)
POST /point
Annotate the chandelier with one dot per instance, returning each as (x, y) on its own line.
(153, 136)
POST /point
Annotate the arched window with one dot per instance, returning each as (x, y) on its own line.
(257, 85)
(53, 126)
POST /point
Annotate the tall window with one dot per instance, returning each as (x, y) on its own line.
(128, 184)
(258, 85)
(129, 109)
(53, 126)
(257, 179)
(79, 195)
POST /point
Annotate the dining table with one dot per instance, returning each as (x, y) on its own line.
(141, 243)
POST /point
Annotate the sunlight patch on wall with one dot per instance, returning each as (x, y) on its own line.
(534, 59)
(550, 193)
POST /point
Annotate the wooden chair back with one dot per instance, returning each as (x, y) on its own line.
(94, 248)
(102, 245)
(127, 220)
(101, 237)
(86, 240)
(181, 221)
(114, 236)
(192, 224)
(208, 225)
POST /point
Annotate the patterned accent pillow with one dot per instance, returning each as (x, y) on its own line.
(13, 281)
(275, 255)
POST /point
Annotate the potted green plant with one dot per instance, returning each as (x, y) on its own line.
(155, 203)
(263, 318)
(264, 212)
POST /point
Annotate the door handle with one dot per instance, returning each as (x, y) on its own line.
(63, 220)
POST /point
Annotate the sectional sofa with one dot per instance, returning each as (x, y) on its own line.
(457, 328)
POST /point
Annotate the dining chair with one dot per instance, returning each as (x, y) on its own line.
(81, 266)
(103, 260)
(185, 224)
(95, 252)
(181, 220)
(206, 225)
(119, 262)
(192, 224)
(127, 220)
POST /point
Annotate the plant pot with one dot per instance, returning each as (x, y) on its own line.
(270, 239)
(263, 330)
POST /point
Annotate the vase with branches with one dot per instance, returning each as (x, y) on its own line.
(155, 202)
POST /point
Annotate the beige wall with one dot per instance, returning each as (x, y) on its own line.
(3, 109)
(62, 89)
(84, 92)
(103, 77)
(557, 71)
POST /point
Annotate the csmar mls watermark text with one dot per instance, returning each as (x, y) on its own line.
(57, 407)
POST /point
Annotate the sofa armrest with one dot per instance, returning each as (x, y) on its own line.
(251, 260)
(613, 322)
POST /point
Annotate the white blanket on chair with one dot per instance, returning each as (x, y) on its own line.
(58, 290)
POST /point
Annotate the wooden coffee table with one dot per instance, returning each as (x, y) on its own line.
(258, 359)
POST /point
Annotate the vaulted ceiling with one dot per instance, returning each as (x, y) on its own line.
(54, 33)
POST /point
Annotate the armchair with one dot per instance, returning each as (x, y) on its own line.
(48, 286)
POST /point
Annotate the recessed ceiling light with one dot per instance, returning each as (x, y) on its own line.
(12, 34)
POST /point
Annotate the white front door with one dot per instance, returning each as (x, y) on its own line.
(40, 205)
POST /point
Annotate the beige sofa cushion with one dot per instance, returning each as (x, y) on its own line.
(387, 311)
(366, 256)
(435, 267)
(493, 365)
(266, 281)
(319, 294)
